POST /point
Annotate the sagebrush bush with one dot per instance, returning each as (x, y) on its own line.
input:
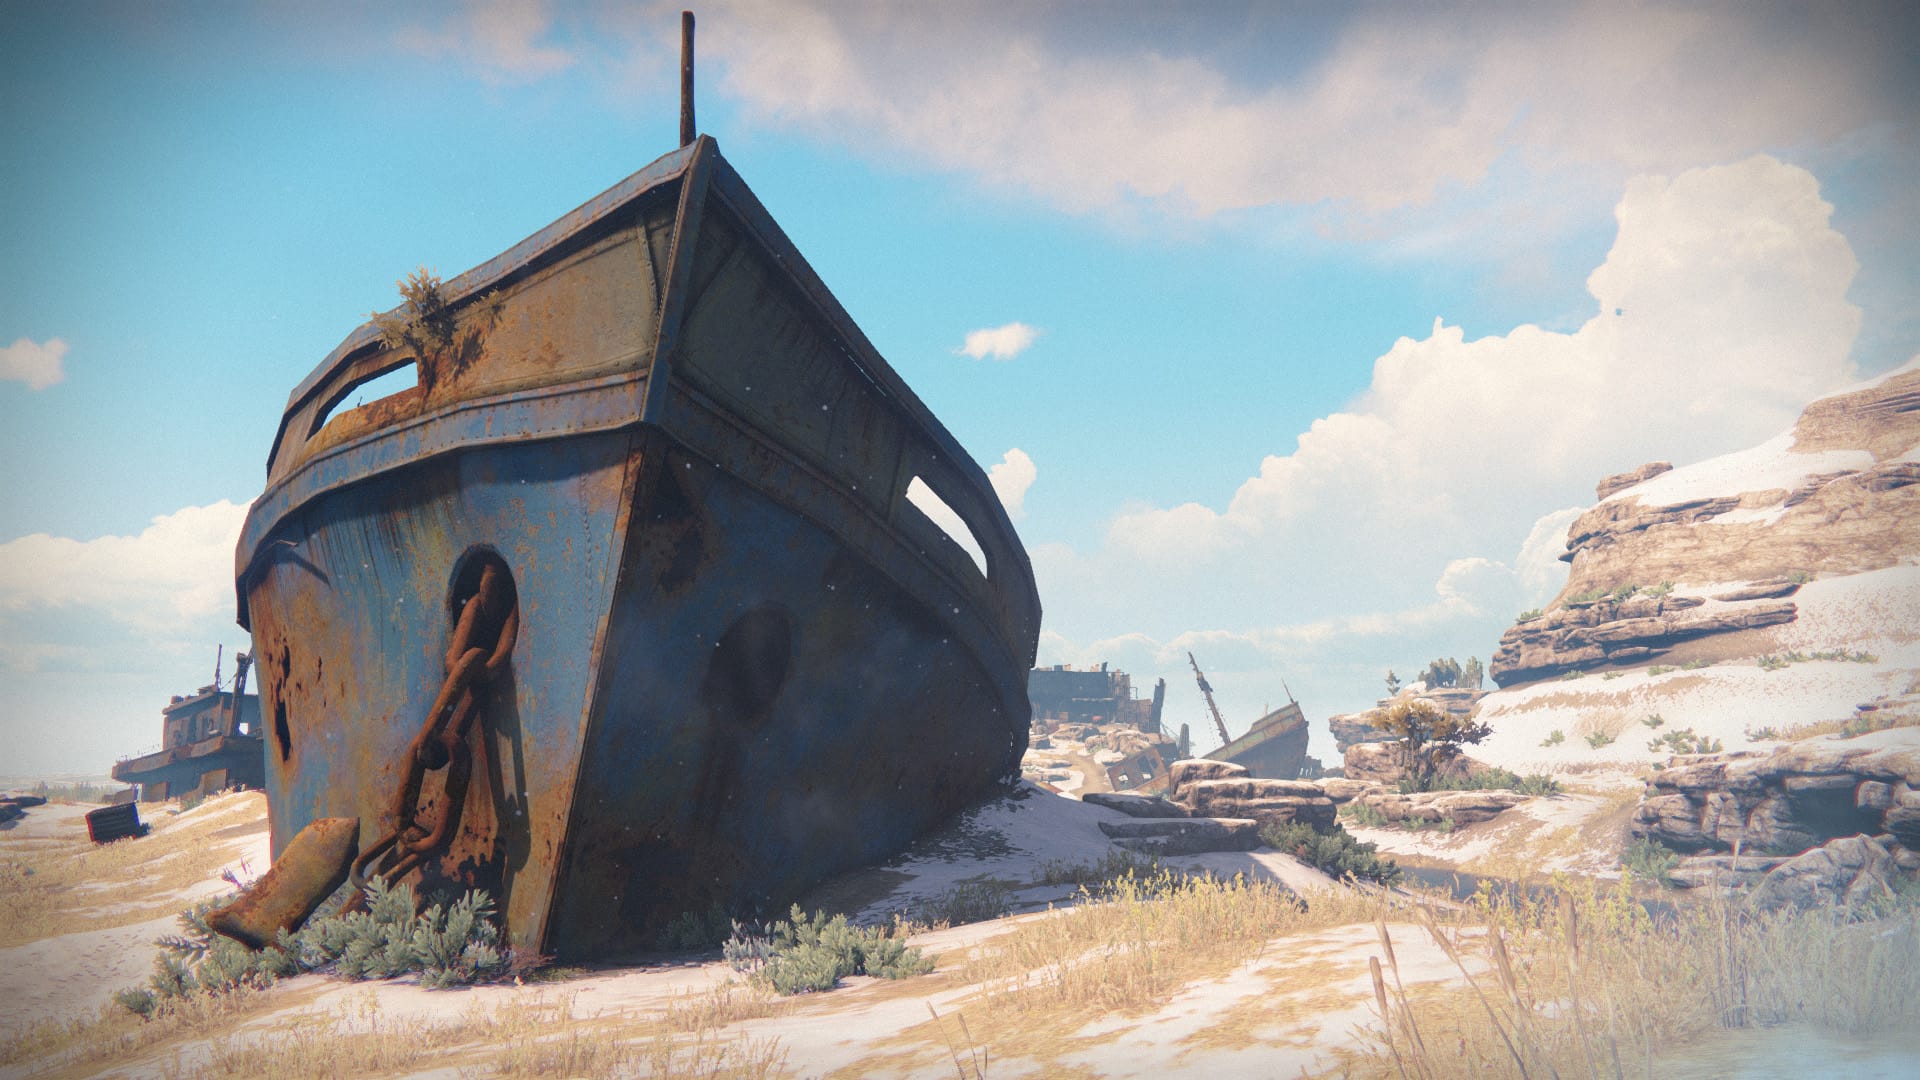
(446, 945)
(1332, 850)
(1650, 859)
(801, 955)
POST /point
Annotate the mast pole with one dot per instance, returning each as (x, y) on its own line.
(1211, 707)
(688, 132)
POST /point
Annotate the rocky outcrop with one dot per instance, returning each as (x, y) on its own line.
(1797, 797)
(1352, 729)
(1621, 481)
(1595, 633)
(1853, 870)
(1838, 495)
(1270, 802)
(1184, 836)
(1140, 806)
(1382, 763)
(1458, 807)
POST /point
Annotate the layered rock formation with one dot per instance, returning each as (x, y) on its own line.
(1787, 801)
(1671, 557)
(1353, 729)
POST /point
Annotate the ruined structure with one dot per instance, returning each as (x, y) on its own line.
(1060, 694)
(210, 741)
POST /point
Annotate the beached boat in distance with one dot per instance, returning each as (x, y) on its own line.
(622, 610)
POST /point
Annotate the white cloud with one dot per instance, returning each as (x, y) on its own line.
(1011, 478)
(38, 365)
(998, 342)
(1391, 108)
(179, 568)
(1730, 288)
(501, 39)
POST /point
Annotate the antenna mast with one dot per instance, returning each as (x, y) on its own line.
(1211, 707)
(687, 130)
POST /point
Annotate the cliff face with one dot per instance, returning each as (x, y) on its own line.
(1677, 564)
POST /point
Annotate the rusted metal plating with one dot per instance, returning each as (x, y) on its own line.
(482, 647)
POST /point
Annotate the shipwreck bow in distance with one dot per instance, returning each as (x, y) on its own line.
(622, 611)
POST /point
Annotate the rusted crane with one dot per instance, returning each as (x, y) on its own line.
(1207, 690)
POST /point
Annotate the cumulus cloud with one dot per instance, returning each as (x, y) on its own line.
(39, 365)
(1719, 312)
(998, 342)
(1011, 478)
(178, 568)
(1389, 107)
(503, 40)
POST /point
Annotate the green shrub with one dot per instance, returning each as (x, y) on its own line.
(1554, 738)
(1491, 779)
(692, 930)
(1650, 859)
(801, 955)
(1537, 784)
(1571, 674)
(1609, 676)
(1695, 665)
(1599, 739)
(1762, 733)
(1799, 577)
(1529, 615)
(1654, 720)
(1624, 592)
(446, 945)
(1115, 863)
(1660, 669)
(1364, 815)
(971, 902)
(1657, 591)
(1684, 741)
(1586, 598)
(1332, 850)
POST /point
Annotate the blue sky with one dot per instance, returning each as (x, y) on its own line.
(1646, 231)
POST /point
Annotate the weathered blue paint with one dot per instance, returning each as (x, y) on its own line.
(745, 660)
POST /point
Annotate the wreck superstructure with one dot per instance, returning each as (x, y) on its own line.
(210, 741)
(1061, 694)
(622, 611)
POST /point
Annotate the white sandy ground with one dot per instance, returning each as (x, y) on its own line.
(1293, 1005)
(75, 974)
(1876, 613)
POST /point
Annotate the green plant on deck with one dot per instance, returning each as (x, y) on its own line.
(1332, 850)
(427, 327)
(801, 955)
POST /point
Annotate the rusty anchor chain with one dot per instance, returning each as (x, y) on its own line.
(441, 743)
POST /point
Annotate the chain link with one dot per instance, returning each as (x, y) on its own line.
(442, 741)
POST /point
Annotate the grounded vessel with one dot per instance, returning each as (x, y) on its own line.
(622, 610)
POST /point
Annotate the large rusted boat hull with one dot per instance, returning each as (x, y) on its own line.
(744, 661)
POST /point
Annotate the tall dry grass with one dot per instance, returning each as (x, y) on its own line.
(67, 886)
(1589, 984)
(1144, 940)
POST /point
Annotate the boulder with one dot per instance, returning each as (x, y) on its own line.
(1343, 790)
(1140, 806)
(1187, 770)
(1851, 870)
(1461, 807)
(1184, 836)
(1266, 801)
(1725, 871)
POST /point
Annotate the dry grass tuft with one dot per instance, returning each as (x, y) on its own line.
(1588, 982)
(69, 886)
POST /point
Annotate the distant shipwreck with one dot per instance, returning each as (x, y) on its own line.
(621, 610)
(209, 742)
